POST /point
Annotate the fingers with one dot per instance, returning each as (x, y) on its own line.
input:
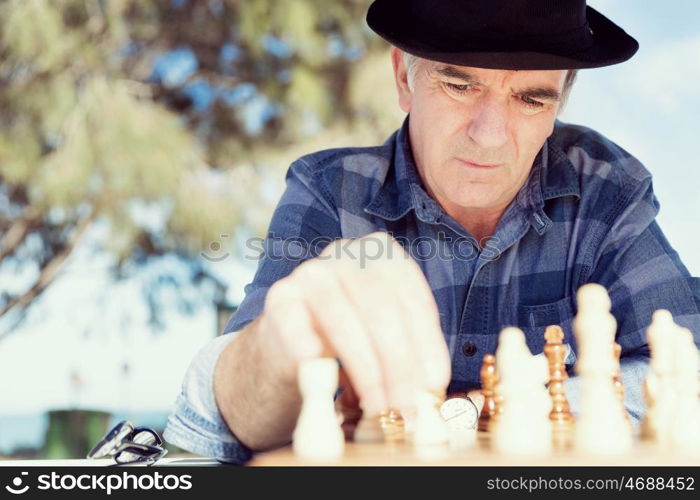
(377, 315)
(288, 321)
(341, 324)
(405, 327)
(420, 314)
(423, 327)
(379, 311)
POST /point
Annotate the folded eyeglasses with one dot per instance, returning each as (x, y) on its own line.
(130, 445)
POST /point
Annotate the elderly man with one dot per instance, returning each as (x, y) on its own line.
(406, 260)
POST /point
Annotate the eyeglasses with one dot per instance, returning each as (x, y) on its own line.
(129, 445)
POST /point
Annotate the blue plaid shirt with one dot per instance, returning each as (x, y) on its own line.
(586, 214)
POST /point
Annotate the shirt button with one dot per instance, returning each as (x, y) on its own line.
(469, 349)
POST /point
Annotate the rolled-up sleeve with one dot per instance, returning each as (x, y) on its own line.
(195, 424)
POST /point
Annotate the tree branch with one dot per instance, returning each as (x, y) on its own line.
(48, 274)
(18, 231)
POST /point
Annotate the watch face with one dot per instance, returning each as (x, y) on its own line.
(460, 411)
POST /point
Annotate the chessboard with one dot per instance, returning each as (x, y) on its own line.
(404, 454)
(525, 418)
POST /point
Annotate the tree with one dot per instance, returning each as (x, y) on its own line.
(109, 108)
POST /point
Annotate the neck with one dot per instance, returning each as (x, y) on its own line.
(480, 222)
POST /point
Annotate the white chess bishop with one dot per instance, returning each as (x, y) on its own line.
(523, 428)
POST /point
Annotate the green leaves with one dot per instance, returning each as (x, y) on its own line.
(85, 129)
(33, 31)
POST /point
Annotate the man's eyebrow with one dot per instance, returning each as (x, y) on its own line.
(452, 72)
(547, 93)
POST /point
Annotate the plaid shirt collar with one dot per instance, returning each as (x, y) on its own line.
(552, 176)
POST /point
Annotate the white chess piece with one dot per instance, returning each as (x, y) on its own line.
(660, 385)
(369, 429)
(523, 428)
(318, 435)
(601, 428)
(409, 423)
(429, 426)
(430, 432)
(685, 417)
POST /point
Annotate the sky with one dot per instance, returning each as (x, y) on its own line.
(649, 106)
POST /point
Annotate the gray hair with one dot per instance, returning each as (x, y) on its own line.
(411, 63)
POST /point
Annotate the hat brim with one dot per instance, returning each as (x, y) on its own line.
(609, 45)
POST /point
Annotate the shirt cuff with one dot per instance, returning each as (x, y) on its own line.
(195, 424)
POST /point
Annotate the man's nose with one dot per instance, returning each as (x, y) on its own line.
(489, 123)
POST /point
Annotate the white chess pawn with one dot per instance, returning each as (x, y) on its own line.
(369, 429)
(318, 435)
(430, 432)
(429, 426)
(409, 423)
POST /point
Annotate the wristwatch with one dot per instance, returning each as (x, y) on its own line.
(460, 412)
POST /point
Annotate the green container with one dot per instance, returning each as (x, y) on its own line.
(72, 433)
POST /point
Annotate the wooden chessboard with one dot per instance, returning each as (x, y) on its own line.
(403, 454)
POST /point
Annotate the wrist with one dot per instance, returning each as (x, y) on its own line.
(267, 355)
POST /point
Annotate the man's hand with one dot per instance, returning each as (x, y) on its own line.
(367, 303)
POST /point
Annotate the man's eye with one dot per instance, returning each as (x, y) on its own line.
(531, 103)
(459, 88)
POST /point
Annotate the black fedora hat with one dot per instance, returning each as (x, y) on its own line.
(503, 34)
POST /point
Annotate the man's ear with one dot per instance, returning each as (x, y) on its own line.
(401, 79)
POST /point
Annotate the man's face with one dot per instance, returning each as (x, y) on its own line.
(475, 132)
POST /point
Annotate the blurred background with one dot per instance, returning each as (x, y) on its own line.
(142, 143)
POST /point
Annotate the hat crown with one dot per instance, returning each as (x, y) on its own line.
(509, 17)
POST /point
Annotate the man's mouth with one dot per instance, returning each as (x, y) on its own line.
(483, 166)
